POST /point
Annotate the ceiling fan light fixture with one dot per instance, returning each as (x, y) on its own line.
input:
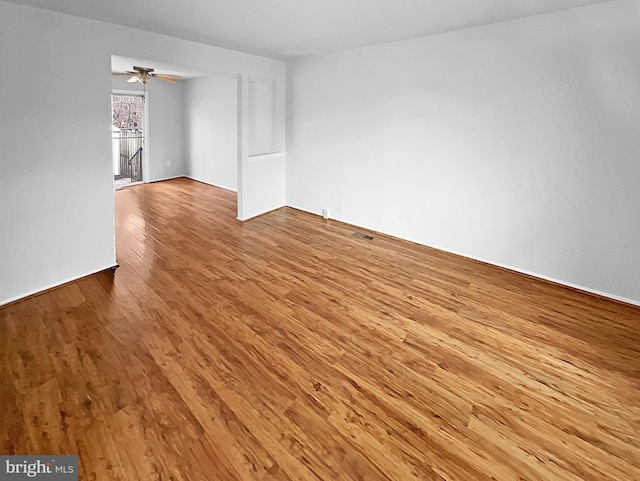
(142, 75)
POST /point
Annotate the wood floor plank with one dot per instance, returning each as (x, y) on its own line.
(286, 348)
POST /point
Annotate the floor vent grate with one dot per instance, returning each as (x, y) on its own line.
(360, 235)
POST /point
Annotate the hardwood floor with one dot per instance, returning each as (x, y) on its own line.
(286, 348)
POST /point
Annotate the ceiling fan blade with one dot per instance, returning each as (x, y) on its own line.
(142, 75)
(166, 75)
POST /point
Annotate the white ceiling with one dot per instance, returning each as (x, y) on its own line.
(295, 28)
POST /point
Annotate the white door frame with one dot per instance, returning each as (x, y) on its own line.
(145, 127)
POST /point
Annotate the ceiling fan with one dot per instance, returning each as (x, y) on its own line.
(142, 75)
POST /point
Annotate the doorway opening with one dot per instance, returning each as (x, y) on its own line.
(128, 128)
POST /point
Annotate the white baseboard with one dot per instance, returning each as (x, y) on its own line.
(211, 183)
(167, 178)
(572, 285)
(243, 219)
(4, 302)
(504, 266)
(310, 211)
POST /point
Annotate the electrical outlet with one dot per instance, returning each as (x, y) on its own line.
(168, 163)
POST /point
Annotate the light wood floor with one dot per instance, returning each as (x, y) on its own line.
(286, 348)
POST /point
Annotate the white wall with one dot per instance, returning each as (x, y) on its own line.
(56, 177)
(262, 175)
(211, 130)
(262, 117)
(516, 143)
(268, 182)
(165, 126)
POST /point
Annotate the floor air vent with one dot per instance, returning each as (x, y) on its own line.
(360, 235)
